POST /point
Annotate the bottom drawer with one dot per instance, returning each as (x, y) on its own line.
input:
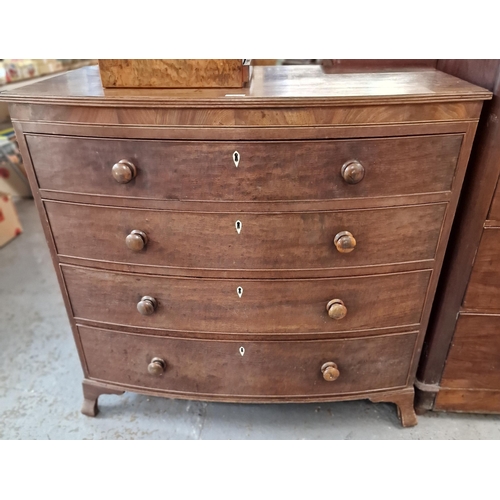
(239, 370)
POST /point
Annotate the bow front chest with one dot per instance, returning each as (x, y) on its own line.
(278, 243)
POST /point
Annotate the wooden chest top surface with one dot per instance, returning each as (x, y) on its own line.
(282, 85)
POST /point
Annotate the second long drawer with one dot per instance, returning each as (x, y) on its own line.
(247, 306)
(248, 241)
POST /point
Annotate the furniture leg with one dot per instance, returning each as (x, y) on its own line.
(91, 393)
(404, 402)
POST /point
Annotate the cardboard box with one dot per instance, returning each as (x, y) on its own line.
(13, 178)
(10, 227)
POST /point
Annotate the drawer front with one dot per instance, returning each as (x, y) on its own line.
(474, 358)
(281, 241)
(483, 290)
(266, 369)
(265, 306)
(266, 171)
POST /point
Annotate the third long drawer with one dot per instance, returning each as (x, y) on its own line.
(274, 306)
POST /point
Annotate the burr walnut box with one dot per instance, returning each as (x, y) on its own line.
(278, 244)
(174, 73)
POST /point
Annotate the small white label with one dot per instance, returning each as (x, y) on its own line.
(242, 351)
(239, 291)
(238, 225)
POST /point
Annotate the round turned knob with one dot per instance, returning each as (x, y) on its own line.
(330, 371)
(336, 309)
(147, 305)
(136, 240)
(344, 242)
(123, 171)
(352, 172)
(156, 367)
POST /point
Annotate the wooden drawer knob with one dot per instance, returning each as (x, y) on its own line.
(352, 172)
(147, 305)
(156, 367)
(123, 171)
(344, 242)
(336, 309)
(136, 240)
(330, 371)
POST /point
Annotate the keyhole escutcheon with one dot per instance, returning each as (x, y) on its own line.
(236, 158)
(238, 225)
(239, 291)
(242, 351)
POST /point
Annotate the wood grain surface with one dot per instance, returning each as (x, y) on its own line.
(266, 171)
(482, 72)
(267, 241)
(371, 65)
(249, 206)
(266, 306)
(474, 358)
(293, 129)
(475, 200)
(274, 85)
(250, 122)
(483, 290)
(266, 369)
(171, 73)
(468, 400)
(494, 213)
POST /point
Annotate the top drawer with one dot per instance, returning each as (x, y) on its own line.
(264, 171)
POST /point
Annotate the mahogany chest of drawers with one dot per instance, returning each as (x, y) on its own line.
(281, 243)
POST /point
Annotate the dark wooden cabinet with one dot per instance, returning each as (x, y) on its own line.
(282, 243)
(460, 365)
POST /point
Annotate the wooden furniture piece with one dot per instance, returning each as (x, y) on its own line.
(174, 73)
(282, 244)
(370, 65)
(460, 365)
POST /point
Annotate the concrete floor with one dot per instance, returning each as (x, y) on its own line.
(40, 376)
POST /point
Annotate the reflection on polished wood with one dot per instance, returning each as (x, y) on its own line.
(277, 85)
